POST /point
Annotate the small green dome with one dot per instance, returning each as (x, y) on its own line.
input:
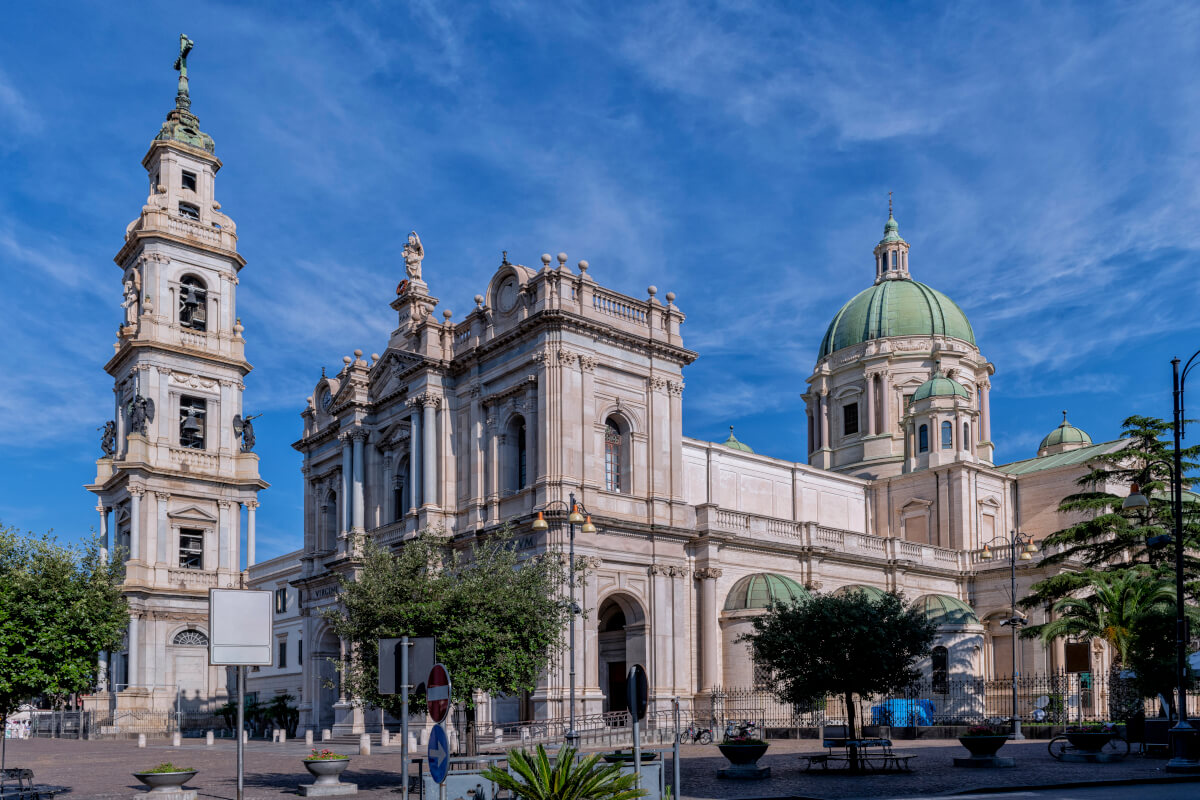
(939, 386)
(763, 589)
(873, 593)
(1065, 433)
(891, 230)
(942, 609)
(896, 308)
(735, 444)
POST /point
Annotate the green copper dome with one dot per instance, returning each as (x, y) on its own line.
(735, 444)
(763, 589)
(942, 609)
(873, 593)
(939, 386)
(1065, 433)
(896, 308)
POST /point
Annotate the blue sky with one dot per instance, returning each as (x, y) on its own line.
(1045, 160)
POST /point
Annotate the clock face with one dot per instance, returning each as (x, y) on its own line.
(326, 399)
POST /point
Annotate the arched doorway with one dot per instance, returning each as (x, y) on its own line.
(324, 663)
(621, 625)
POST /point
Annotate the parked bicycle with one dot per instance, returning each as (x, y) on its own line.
(696, 735)
(745, 729)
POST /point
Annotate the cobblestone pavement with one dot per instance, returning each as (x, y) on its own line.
(101, 770)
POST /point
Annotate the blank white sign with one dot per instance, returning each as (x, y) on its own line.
(239, 628)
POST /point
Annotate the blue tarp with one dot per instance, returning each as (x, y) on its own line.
(902, 713)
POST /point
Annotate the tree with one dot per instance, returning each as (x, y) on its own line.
(840, 645)
(537, 778)
(60, 606)
(1152, 653)
(497, 615)
(1112, 539)
(1112, 610)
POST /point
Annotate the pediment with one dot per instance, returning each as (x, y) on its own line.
(916, 504)
(990, 502)
(194, 513)
(395, 367)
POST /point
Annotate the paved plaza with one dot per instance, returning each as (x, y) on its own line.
(101, 770)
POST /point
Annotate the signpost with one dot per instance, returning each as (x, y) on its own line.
(638, 687)
(239, 635)
(439, 754)
(437, 700)
(399, 658)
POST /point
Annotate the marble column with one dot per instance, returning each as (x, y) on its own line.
(251, 507)
(824, 420)
(710, 631)
(886, 400)
(344, 497)
(388, 495)
(103, 533)
(429, 456)
(131, 658)
(135, 521)
(160, 502)
(356, 517)
(223, 548)
(985, 410)
(414, 459)
(870, 406)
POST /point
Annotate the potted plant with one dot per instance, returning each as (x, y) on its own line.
(165, 778)
(983, 741)
(1091, 738)
(623, 756)
(535, 775)
(326, 766)
(743, 752)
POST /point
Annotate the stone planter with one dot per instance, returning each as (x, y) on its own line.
(623, 758)
(983, 745)
(1090, 742)
(743, 759)
(328, 778)
(168, 784)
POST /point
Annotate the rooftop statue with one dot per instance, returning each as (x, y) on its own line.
(413, 255)
(182, 125)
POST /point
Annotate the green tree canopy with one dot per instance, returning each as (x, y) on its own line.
(1152, 653)
(498, 616)
(840, 645)
(60, 605)
(1112, 539)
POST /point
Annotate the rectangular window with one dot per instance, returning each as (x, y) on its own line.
(280, 601)
(191, 549)
(907, 401)
(947, 436)
(189, 181)
(193, 414)
(923, 439)
(849, 419)
(188, 210)
(281, 661)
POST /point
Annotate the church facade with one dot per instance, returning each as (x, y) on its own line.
(555, 385)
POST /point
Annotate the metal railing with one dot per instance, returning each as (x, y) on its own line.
(119, 724)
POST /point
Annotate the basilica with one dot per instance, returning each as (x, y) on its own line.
(555, 385)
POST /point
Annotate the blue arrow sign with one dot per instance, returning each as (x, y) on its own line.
(439, 754)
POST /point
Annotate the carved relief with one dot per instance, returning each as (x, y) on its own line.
(705, 573)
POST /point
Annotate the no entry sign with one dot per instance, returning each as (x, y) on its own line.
(437, 693)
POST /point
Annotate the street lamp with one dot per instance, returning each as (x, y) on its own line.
(577, 515)
(1021, 548)
(1182, 735)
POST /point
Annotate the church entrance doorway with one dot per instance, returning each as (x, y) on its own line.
(622, 643)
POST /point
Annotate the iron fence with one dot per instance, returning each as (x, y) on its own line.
(112, 724)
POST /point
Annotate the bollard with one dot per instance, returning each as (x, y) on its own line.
(326, 735)
(208, 739)
(245, 737)
(412, 743)
(308, 738)
(364, 744)
(176, 739)
(141, 740)
(383, 738)
(283, 735)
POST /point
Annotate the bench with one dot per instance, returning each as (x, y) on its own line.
(18, 785)
(812, 759)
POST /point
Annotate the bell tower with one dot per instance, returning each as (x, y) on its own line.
(178, 482)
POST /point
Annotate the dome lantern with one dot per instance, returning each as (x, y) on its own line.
(891, 254)
(1063, 438)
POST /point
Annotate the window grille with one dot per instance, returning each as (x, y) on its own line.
(190, 638)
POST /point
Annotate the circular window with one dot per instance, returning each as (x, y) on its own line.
(506, 296)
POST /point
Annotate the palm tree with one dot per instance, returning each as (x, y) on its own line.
(537, 778)
(1111, 611)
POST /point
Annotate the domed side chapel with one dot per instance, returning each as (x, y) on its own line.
(553, 384)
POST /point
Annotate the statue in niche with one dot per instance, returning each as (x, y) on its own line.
(413, 255)
(108, 439)
(245, 429)
(131, 304)
(141, 412)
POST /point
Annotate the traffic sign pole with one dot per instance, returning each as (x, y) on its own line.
(241, 719)
(404, 714)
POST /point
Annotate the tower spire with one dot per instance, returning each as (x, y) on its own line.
(182, 125)
(891, 254)
(183, 101)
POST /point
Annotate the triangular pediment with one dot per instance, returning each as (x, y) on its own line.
(194, 513)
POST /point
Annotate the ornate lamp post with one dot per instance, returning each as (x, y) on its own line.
(577, 515)
(1020, 547)
(1183, 734)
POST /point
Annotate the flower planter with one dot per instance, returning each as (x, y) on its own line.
(743, 760)
(1090, 742)
(622, 758)
(327, 771)
(982, 746)
(165, 782)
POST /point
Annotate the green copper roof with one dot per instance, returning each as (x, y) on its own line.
(1065, 433)
(896, 308)
(1070, 458)
(761, 590)
(891, 230)
(735, 444)
(939, 386)
(182, 125)
(872, 592)
(942, 609)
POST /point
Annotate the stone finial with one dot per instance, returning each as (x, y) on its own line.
(346, 360)
(358, 353)
(670, 297)
(583, 266)
(546, 259)
(652, 290)
(479, 301)
(374, 357)
(562, 259)
(447, 314)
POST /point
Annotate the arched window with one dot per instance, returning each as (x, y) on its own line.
(941, 670)
(614, 457)
(514, 456)
(966, 440)
(923, 439)
(193, 418)
(193, 302)
(947, 436)
(190, 638)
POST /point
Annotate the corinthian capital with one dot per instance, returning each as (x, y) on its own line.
(705, 573)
